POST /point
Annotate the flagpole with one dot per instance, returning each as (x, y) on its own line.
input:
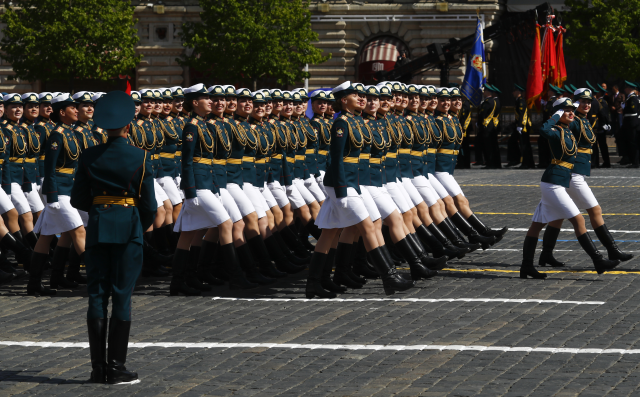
(547, 26)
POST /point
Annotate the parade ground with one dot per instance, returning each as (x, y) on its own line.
(476, 329)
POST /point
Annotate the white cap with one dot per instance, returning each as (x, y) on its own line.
(195, 88)
(82, 95)
(341, 87)
(28, 96)
(44, 94)
(64, 96)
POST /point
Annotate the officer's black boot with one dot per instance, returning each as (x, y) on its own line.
(326, 281)
(395, 255)
(434, 263)
(237, 279)
(60, 255)
(610, 244)
(35, 287)
(313, 229)
(178, 285)
(30, 240)
(171, 237)
(290, 238)
(160, 241)
(486, 231)
(360, 266)
(250, 269)
(549, 239)
(470, 232)
(22, 253)
(117, 353)
(293, 258)
(418, 270)
(314, 284)
(303, 235)
(599, 262)
(448, 249)
(153, 264)
(191, 270)
(450, 231)
(97, 328)
(528, 253)
(259, 249)
(391, 280)
(343, 273)
(5, 277)
(205, 263)
(280, 259)
(73, 271)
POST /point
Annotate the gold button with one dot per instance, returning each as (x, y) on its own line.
(125, 193)
(105, 206)
(126, 205)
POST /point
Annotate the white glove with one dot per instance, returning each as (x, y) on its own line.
(559, 113)
(606, 127)
(193, 201)
(622, 105)
(343, 202)
(54, 206)
(519, 129)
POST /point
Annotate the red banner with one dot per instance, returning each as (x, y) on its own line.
(549, 65)
(562, 70)
(534, 79)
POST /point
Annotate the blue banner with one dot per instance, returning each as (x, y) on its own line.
(474, 77)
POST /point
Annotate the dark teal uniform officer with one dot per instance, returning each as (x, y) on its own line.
(114, 184)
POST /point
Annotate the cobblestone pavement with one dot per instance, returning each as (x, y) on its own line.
(518, 338)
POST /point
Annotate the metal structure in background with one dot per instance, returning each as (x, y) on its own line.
(441, 56)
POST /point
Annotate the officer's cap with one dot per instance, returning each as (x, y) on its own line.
(318, 95)
(296, 97)
(397, 87)
(258, 97)
(413, 89)
(157, 94)
(166, 93)
(229, 90)
(443, 92)
(303, 93)
(518, 87)
(97, 96)
(45, 97)
(195, 91)
(601, 88)
(135, 95)
(62, 101)
(343, 89)
(216, 90)
(424, 91)
(267, 95)
(593, 90)
(12, 99)
(330, 96)
(147, 94)
(243, 93)
(492, 88)
(583, 93)
(82, 97)
(630, 84)
(432, 90)
(455, 92)
(115, 110)
(384, 91)
(572, 87)
(286, 96)
(563, 103)
(359, 88)
(276, 94)
(372, 90)
(177, 92)
(30, 97)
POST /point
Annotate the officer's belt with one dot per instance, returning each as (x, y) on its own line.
(291, 160)
(168, 155)
(18, 160)
(352, 160)
(404, 151)
(261, 161)
(66, 170)
(418, 153)
(219, 162)
(448, 151)
(276, 156)
(588, 151)
(178, 153)
(202, 160)
(391, 155)
(323, 152)
(364, 156)
(1, 161)
(114, 200)
(300, 157)
(310, 151)
(155, 157)
(562, 164)
(247, 159)
(41, 157)
(630, 115)
(32, 161)
(433, 150)
(374, 160)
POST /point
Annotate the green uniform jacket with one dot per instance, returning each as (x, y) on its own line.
(198, 142)
(31, 169)
(563, 147)
(434, 142)
(346, 141)
(43, 127)
(449, 144)
(323, 128)
(585, 138)
(61, 160)
(120, 170)
(522, 116)
(378, 149)
(17, 150)
(222, 149)
(279, 145)
(311, 154)
(421, 139)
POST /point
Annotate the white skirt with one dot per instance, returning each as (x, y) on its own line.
(383, 201)
(85, 218)
(312, 185)
(425, 189)
(161, 196)
(411, 190)
(581, 193)
(266, 193)
(58, 221)
(449, 182)
(320, 180)
(257, 199)
(230, 206)
(295, 197)
(279, 193)
(304, 192)
(437, 186)
(372, 208)
(209, 213)
(19, 200)
(399, 196)
(240, 197)
(34, 200)
(171, 189)
(177, 181)
(333, 216)
(5, 202)
(555, 204)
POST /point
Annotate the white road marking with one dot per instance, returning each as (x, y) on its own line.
(215, 345)
(517, 229)
(411, 300)
(538, 249)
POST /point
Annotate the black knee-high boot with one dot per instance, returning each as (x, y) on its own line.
(178, 285)
(191, 270)
(293, 258)
(528, 254)
(434, 263)
(313, 229)
(35, 287)
(30, 239)
(21, 252)
(418, 270)
(326, 281)
(208, 252)
(391, 280)
(314, 284)
(60, 255)
(599, 262)
(360, 266)
(484, 230)
(453, 234)
(291, 239)
(73, 271)
(249, 266)
(470, 232)
(303, 235)
(609, 243)
(393, 251)
(549, 239)
(97, 328)
(280, 259)
(117, 353)
(237, 279)
(448, 249)
(343, 274)
(260, 252)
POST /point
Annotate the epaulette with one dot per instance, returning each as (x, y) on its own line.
(194, 121)
(439, 118)
(253, 126)
(24, 125)
(41, 124)
(169, 118)
(79, 129)
(343, 117)
(140, 122)
(9, 126)
(272, 121)
(60, 129)
(211, 121)
(98, 129)
(408, 117)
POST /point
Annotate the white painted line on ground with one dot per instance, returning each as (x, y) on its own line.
(517, 229)
(538, 249)
(214, 345)
(614, 177)
(410, 300)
